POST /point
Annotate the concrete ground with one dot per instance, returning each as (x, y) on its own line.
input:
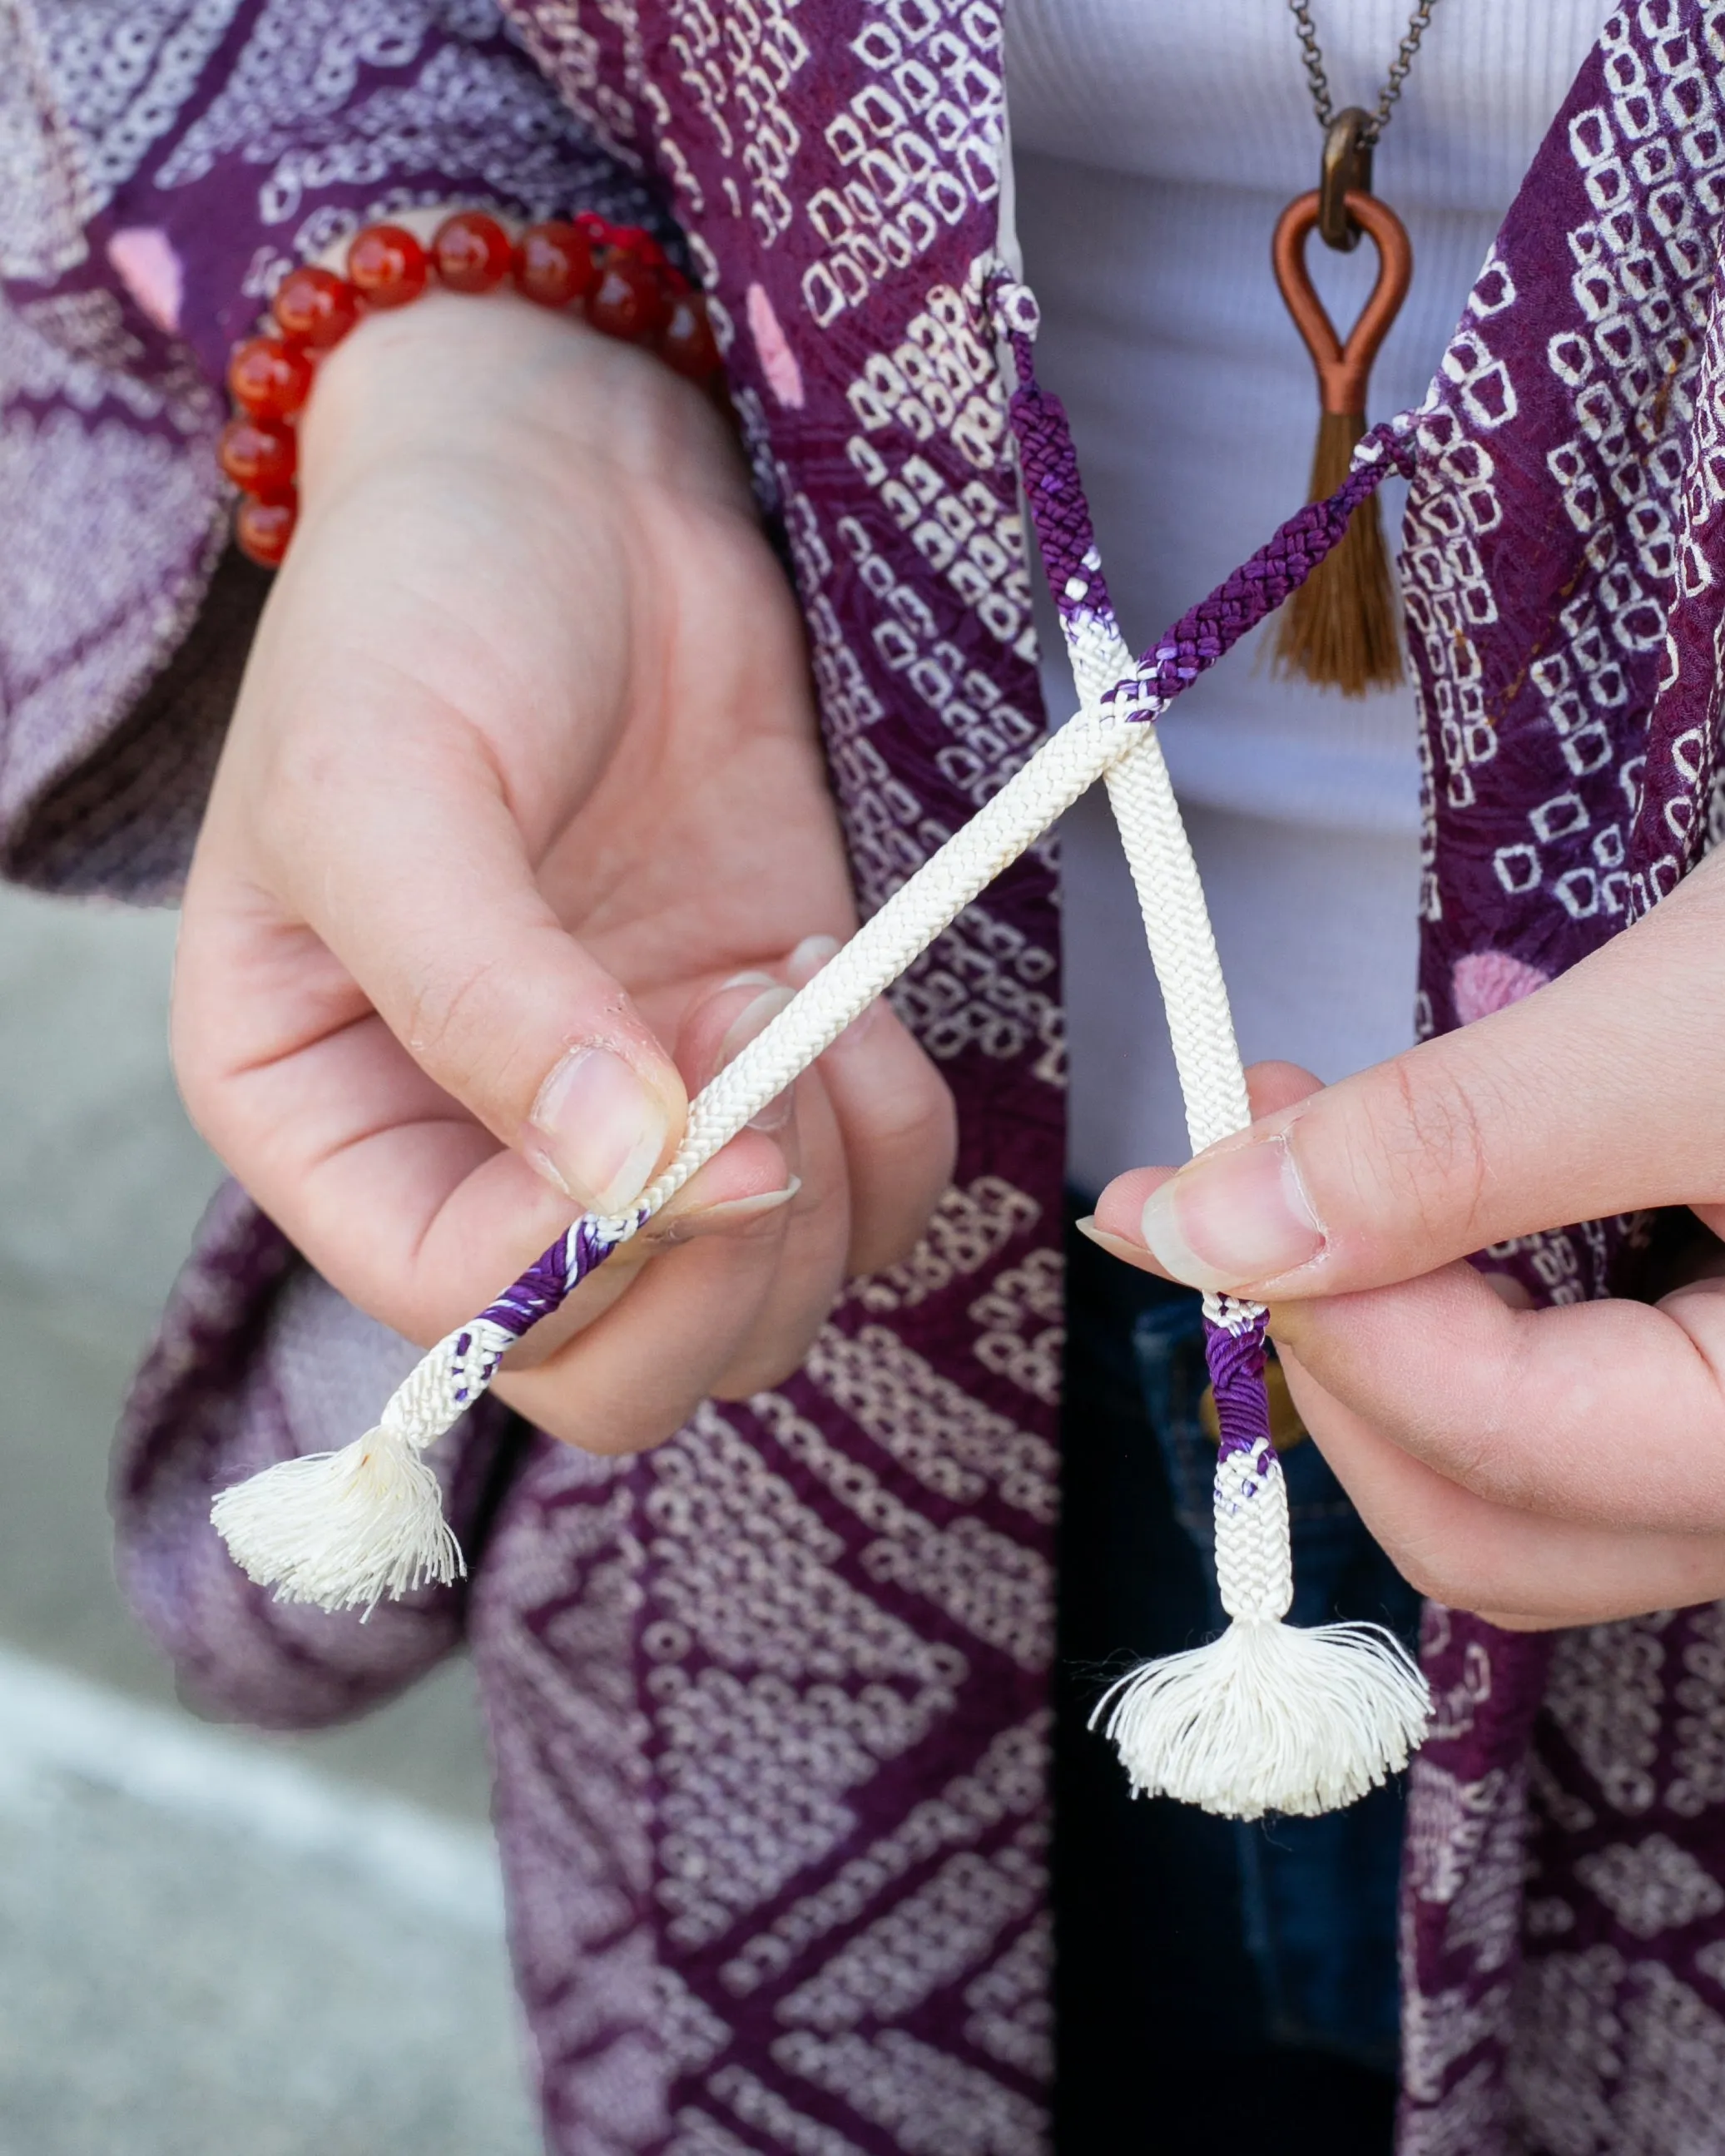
(210, 1942)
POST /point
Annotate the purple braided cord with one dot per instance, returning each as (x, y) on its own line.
(1055, 492)
(542, 1289)
(1198, 639)
(1061, 516)
(1236, 1361)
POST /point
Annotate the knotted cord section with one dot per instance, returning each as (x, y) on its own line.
(555, 1274)
(1233, 1350)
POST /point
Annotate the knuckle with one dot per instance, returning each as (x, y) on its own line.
(904, 1175)
(891, 1243)
(1472, 1459)
(1425, 1134)
(918, 1121)
(196, 1075)
(204, 1081)
(573, 1423)
(444, 1027)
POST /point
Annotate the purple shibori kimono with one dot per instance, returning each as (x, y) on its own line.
(769, 1705)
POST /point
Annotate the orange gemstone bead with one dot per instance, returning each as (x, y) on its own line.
(685, 343)
(633, 239)
(386, 266)
(628, 300)
(316, 307)
(260, 455)
(471, 252)
(269, 379)
(263, 529)
(554, 264)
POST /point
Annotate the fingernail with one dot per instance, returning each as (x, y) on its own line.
(729, 1213)
(755, 1017)
(860, 1027)
(777, 1113)
(1117, 1246)
(1232, 1218)
(810, 955)
(598, 1131)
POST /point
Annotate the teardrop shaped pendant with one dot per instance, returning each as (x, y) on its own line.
(1339, 629)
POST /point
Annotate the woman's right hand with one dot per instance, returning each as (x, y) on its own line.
(521, 827)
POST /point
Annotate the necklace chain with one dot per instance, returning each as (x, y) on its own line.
(1318, 81)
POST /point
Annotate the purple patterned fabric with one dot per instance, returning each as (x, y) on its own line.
(1565, 1880)
(768, 1707)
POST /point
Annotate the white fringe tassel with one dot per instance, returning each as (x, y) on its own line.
(1269, 1717)
(344, 1529)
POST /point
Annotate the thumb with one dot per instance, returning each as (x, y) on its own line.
(1601, 1093)
(434, 910)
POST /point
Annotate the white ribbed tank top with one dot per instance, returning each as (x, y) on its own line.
(1155, 142)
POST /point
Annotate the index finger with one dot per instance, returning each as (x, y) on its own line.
(1609, 1415)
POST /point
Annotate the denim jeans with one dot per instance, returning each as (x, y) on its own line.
(1220, 1987)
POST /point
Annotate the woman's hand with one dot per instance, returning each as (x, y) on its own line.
(1542, 1467)
(521, 828)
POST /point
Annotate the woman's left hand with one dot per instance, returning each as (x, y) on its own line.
(1543, 1467)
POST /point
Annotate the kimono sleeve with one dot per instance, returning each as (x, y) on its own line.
(259, 1360)
(163, 164)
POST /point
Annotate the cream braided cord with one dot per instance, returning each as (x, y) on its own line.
(1035, 796)
(1177, 921)
(1114, 740)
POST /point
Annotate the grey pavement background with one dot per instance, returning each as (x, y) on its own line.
(210, 1941)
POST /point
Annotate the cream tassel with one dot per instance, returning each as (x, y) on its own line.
(344, 1529)
(1269, 1717)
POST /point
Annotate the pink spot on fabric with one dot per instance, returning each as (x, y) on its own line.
(144, 260)
(1489, 981)
(778, 363)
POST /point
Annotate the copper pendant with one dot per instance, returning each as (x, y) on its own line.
(1344, 371)
(1339, 629)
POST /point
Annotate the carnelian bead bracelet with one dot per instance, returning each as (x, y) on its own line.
(616, 275)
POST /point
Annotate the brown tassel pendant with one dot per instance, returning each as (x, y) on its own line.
(1339, 629)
